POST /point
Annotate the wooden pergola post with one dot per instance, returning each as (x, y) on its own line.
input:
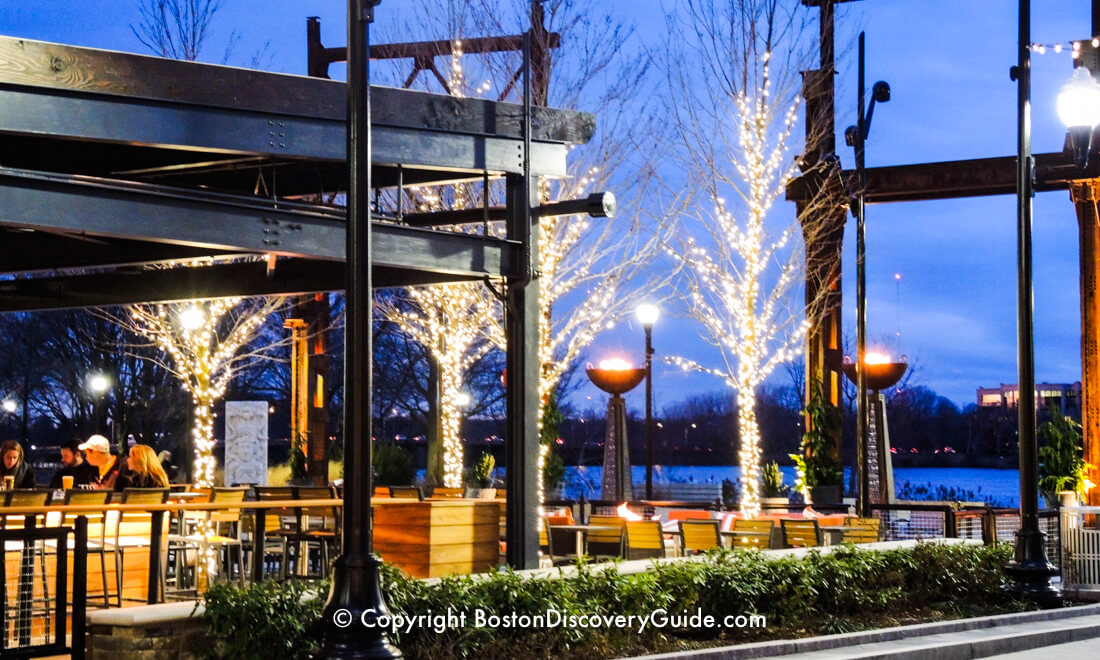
(1085, 195)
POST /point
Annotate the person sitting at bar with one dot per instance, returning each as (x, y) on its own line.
(109, 468)
(21, 473)
(73, 465)
(145, 470)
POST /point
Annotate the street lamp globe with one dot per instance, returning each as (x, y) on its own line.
(648, 314)
(10, 405)
(463, 399)
(1079, 101)
(99, 383)
(192, 318)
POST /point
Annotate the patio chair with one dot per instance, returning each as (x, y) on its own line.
(699, 535)
(184, 549)
(800, 533)
(860, 530)
(97, 529)
(605, 543)
(129, 528)
(440, 491)
(319, 529)
(279, 525)
(407, 492)
(755, 534)
(644, 539)
(561, 545)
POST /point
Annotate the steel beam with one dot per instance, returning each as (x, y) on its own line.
(99, 208)
(955, 179)
(38, 111)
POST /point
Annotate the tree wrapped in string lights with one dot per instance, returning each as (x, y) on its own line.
(741, 268)
(204, 343)
(458, 324)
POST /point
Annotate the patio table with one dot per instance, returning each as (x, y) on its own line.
(581, 532)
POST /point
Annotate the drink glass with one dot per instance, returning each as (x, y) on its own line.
(9, 482)
(67, 482)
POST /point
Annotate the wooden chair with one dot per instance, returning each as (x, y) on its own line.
(450, 493)
(800, 533)
(407, 492)
(129, 527)
(279, 525)
(604, 544)
(752, 533)
(319, 528)
(861, 530)
(97, 529)
(644, 539)
(184, 547)
(699, 535)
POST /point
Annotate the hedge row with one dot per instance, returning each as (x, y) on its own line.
(845, 590)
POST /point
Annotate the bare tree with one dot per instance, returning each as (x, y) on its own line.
(175, 28)
(733, 81)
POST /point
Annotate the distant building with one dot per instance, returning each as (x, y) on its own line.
(1065, 397)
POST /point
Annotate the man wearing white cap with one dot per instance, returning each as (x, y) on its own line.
(97, 451)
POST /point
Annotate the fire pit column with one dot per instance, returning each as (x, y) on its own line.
(616, 377)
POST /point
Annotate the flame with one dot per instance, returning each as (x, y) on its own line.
(876, 358)
(615, 364)
(626, 513)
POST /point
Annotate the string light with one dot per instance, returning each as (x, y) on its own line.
(203, 340)
(1072, 47)
(755, 332)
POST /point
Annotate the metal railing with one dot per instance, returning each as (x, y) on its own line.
(36, 612)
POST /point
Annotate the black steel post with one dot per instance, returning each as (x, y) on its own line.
(861, 298)
(648, 412)
(1029, 571)
(522, 358)
(355, 600)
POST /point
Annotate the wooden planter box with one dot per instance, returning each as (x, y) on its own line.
(436, 538)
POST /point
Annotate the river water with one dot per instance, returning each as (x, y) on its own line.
(999, 487)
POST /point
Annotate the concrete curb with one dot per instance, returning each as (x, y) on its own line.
(983, 644)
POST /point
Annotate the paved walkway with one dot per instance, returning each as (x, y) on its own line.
(1064, 634)
(1086, 649)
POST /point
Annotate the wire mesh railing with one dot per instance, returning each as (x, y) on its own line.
(34, 600)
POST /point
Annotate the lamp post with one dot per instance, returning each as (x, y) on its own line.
(856, 137)
(648, 315)
(355, 605)
(1079, 110)
(1029, 572)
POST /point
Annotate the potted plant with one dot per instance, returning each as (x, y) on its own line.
(479, 478)
(1061, 467)
(772, 488)
(819, 472)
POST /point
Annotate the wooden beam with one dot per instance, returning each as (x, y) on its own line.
(57, 66)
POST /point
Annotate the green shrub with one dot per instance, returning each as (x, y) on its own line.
(265, 620)
(846, 590)
(393, 465)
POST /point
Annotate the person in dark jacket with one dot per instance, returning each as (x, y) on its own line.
(111, 470)
(73, 465)
(14, 465)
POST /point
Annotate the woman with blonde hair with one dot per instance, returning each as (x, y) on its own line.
(145, 470)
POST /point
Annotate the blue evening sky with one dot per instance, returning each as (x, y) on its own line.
(947, 62)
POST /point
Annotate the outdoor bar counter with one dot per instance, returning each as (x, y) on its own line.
(427, 538)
